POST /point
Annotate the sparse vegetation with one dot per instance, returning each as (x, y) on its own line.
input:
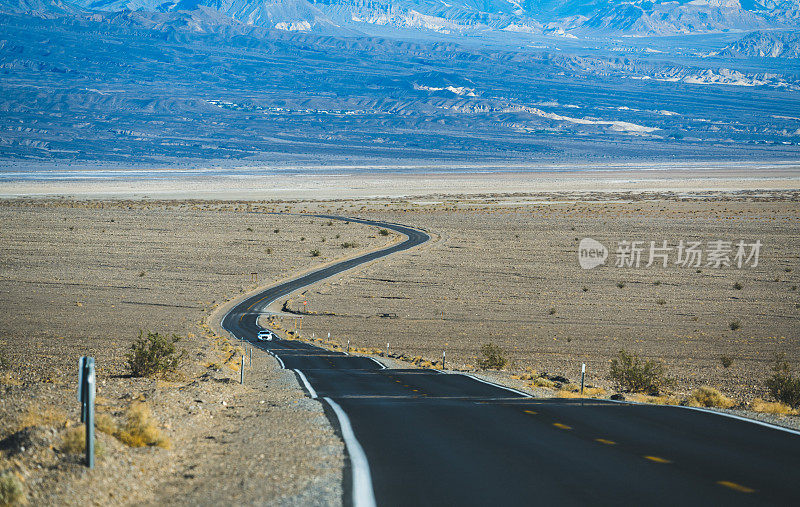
(727, 361)
(586, 289)
(772, 407)
(551, 311)
(140, 430)
(276, 231)
(621, 285)
(783, 385)
(249, 229)
(734, 325)
(11, 492)
(383, 232)
(315, 253)
(709, 397)
(639, 376)
(36, 415)
(657, 283)
(738, 286)
(154, 354)
(141, 274)
(491, 357)
(661, 301)
(5, 364)
(349, 244)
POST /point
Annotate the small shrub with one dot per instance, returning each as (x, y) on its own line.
(734, 325)
(657, 283)
(661, 301)
(249, 229)
(5, 364)
(543, 382)
(349, 244)
(635, 375)
(383, 232)
(315, 253)
(551, 311)
(737, 286)
(106, 424)
(491, 357)
(11, 489)
(586, 289)
(140, 430)
(782, 385)
(772, 407)
(709, 397)
(154, 354)
(269, 250)
(302, 238)
(621, 285)
(36, 415)
(276, 231)
(73, 441)
(727, 361)
(141, 274)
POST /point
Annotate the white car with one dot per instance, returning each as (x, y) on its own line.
(266, 335)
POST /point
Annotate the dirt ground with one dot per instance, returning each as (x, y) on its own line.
(505, 270)
(82, 278)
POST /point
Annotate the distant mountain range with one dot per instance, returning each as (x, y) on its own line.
(567, 18)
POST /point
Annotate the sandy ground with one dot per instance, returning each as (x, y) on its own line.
(81, 278)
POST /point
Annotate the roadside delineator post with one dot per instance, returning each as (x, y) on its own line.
(348, 344)
(86, 388)
(583, 376)
(250, 353)
(387, 349)
(241, 372)
(443, 359)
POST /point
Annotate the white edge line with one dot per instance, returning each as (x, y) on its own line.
(723, 414)
(363, 496)
(383, 366)
(276, 357)
(308, 387)
(497, 385)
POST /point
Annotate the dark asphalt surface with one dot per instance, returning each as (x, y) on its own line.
(448, 439)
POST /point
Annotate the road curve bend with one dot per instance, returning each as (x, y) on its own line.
(423, 437)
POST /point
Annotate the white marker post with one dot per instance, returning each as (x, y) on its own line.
(241, 372)
(583, 376)
(387, 349)
(443, 359)
(348, 345)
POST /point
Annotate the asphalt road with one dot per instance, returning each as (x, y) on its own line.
(421, 437)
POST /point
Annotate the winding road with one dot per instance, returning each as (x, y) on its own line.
(424, 437)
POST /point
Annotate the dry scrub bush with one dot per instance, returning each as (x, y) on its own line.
(782, 385)
(154, 355)
(11, 490)
(73, 441)
(491, 357)
(635, 375)
(140, 430)
(709, 397)
(772, 407)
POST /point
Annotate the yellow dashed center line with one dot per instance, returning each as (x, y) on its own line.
(657, 459)
(604, 441)
(562, 426)
(532, 412)
(736, 487)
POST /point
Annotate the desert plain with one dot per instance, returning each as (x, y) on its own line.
(84, 276)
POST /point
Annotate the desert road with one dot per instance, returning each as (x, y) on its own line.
(422, 437)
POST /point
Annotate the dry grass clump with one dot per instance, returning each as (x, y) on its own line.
(588, 392)
(73, 441)
(709, 397)
(772, 407)
(11, 492)
(655, 400)
(140, 429)
(36, 415)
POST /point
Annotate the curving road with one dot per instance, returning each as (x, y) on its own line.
(422, 437)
